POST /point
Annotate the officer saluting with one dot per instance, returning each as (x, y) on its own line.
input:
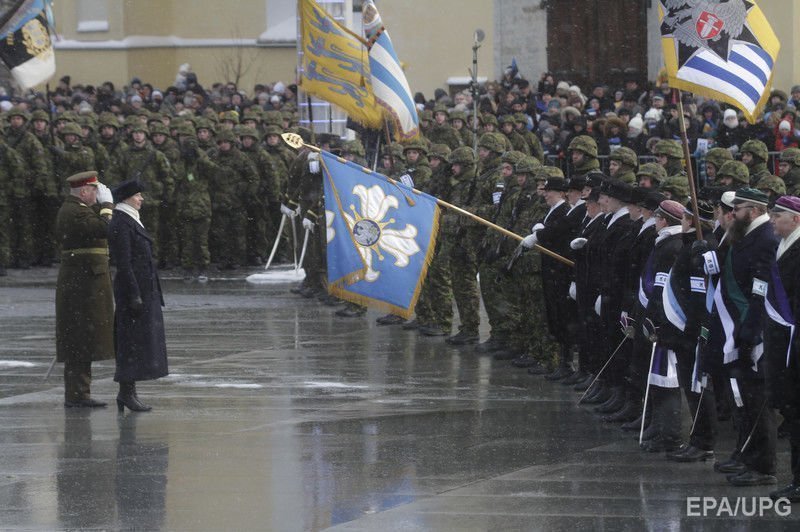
(84, 301)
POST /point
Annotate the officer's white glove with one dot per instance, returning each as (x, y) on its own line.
(537, 227)
(597, 304)
(287, 211)
(578, 243)
(573, 291)
(313, 163)
(104, 194)
(297, 211)
(529, 241)
(308, 225)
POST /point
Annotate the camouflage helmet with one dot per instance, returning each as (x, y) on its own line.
(226, 135)
(68, 116)
(130, 120)
(441, 108)
(158, 128)
(273, 130)
(757, 148)
(677, 186)
(670, 148)
(39, 114)
(17, 110)
(458, 115)
(251, 114)
(506, 119)
(488, 118)
(520, 118)
(791, 156)
(440, 151)
(204, 123)
(512, 158)
(155, 117)
(773, 184)
(426, 114)
(71, 129)
(186, 129)
(137, 125)
(718, 157)
(736, 170)
(88, 122)
(585, 144)
(354, 147)
(416, 144)
(232, 116)
(493, 142)
(654, 171)
(245, 131)
(109, 119)
(625, 156)
(543, 173)
(462, 155)
(526, 165)
(273, 118)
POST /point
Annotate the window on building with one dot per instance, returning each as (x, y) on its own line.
(281, 22)
(92, 15)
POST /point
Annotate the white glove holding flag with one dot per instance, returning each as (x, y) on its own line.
(537, 227)
(308, 225)
(578, 243)
(104, 194)
(286, 211)
(529, 241)
(313, 162)
(573, 291)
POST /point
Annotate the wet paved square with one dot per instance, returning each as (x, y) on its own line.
(277, 415)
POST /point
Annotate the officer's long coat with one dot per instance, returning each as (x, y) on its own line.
(139, 337)
(84, 301)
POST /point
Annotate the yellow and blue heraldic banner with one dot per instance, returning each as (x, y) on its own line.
(380, 236)
(721, 50)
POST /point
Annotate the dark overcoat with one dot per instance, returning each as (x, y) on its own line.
(84, 303)
(138, 336)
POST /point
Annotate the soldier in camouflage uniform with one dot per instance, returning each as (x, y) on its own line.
(676, 188)
(13, 185)
(167, 215)
(773, 186)
(112, 141)
(508, 128)
(425, 122)
(205, 135)
(70, 156)
(28, 246)
(441, 131)
(494, 254)
(462, 236)
(715, 158)
(533, 142)
(48, 196)
(583, 155)
(623, 164)
(755, 155)
(142, 162)
(234, 185)
(90, 140)
(435, 304)
(789, 168)
(193, 202)
(669, 154)
(528, 332)
(266, 200)
(650, 175)
(417, 165)
(458, 119)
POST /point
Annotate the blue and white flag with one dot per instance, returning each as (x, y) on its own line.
(722, 50)
(389, 82)
(25, 44)
(381, 236)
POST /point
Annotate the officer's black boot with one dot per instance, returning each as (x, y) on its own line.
(127, 397)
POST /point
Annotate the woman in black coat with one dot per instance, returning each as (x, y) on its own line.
(138, 323)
